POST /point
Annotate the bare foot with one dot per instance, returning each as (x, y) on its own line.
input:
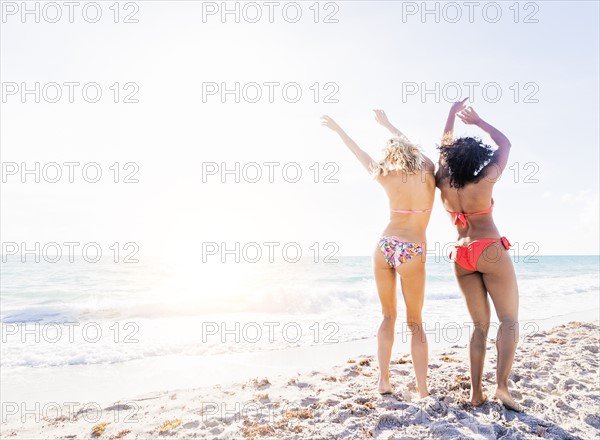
(507, 400)
(423, 394)
(478, 399)
(384, 386)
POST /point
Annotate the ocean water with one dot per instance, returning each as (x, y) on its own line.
(59, 314)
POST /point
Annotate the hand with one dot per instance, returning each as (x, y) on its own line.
(458, 106)
(328, 122)
(469, 116)
(381, 118)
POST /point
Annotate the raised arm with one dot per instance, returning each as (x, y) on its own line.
(362, 156)
(448, 135)
(469, 116)
(383, 120)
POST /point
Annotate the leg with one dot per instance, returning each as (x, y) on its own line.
(473, 289)
(385, 278)
(412, 280)
(501, 282)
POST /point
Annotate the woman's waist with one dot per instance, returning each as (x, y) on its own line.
(466, 236)
(414, 234)
(412, 223)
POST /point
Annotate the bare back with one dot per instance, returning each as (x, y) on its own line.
(410, 192)
(473, 197)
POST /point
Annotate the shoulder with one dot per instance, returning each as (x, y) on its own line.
(441, 169)
(428, 164)
(491, 172)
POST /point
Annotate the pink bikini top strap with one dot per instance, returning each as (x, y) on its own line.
(462, 216)
(409, 211)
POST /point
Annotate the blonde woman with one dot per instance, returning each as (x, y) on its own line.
(406, 175)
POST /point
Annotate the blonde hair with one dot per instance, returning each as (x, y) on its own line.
(399, 154)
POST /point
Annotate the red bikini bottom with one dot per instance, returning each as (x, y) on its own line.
(467, 255)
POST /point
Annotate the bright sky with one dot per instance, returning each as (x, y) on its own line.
(375, 56)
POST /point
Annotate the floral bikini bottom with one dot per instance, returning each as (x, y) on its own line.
(397, 251)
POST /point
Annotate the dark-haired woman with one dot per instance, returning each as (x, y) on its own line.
(468, 170)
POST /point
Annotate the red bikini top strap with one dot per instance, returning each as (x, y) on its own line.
(462, 216)
(485, 211)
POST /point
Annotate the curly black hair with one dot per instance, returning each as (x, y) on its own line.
(464, 159)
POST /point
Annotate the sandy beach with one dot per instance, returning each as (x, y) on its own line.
(217, 216)
(555, 378)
